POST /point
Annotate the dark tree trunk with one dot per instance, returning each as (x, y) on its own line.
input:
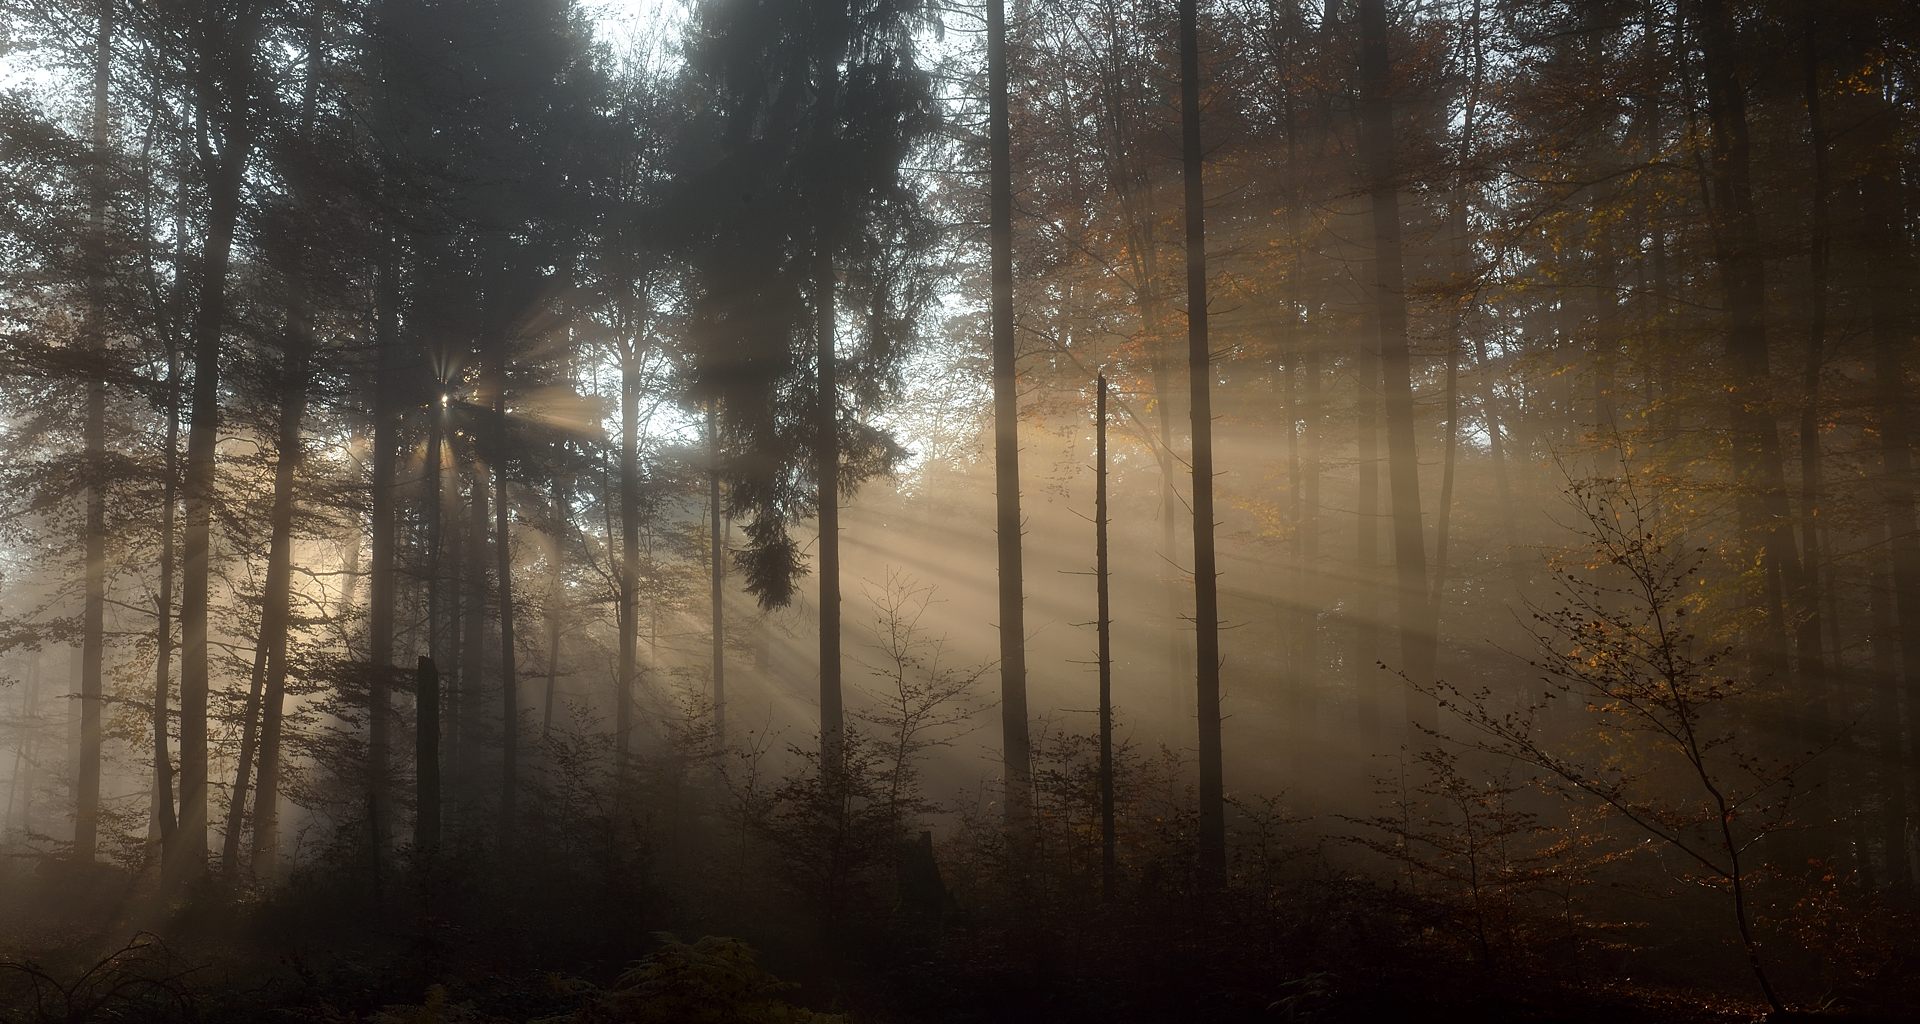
(426, 700)
(86, 812)
(1206, 609)
(1808, 636)
(556, 602)
(827, 411)
(1762, 500)
(164, 819)
(225, 98)
(276, 610)
(243, 767)
(381, 578)
(1889, 313)
(503, 555)
(426, 823)
(1417, 640)
(473, 669)
(275, 614)
(716, 534)
(1364, 655)
(629, 596)
(1015, 756)
(1103, 623)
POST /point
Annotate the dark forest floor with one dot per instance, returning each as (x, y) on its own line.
(327, 949)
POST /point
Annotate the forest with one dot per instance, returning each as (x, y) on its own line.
(859, 511)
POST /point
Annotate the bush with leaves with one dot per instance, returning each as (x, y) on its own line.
(1663, 702)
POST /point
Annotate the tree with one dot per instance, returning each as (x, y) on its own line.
(225, 38)
(1206, 615)
(1015, 756)
(1622, 644)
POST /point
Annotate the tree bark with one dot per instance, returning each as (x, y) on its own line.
(1890, 315)
(1417, 640)
(629, 597)
(827, 412)
(1763, 512)
(165, 821)
(716, 533)
(503, 554)
(473, 669)
(381, 578)
(243, 767)
(1206, 609)
(1103, 623)
(226, 101)
(1015, 755)
(86, 814)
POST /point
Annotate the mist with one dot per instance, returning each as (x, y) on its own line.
(876, 511)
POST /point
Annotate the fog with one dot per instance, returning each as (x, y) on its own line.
(530, 511)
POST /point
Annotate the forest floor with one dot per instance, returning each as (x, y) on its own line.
(96, 946)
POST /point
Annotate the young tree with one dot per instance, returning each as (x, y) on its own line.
(1621, 643)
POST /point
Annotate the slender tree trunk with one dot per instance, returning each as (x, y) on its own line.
(86, 814)
(832, 16)
(455, 578)
(716, 532)
(243, 768)
(1889, 313)
(1103, 622)
(426, 721)
(629, 556)
(1809, 637)
(1763, 511)
(1889, 739)
(1417, 640)
(165, 823)
(1213, 835)
(473, 671)
(276, 613)
(1365, 652)
(381, 578)
(1015, 756)
(509, 682)
(227, 172)
(426, 823)
(556, 602)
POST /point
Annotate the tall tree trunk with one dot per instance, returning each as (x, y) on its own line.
(473, 669)
(1417, 640)
(1365, 652)
(629, 617)
(426, 722)
(1763, 512)
(503, 554)
(243, 767)
(1206, 608)
(228, 103)
(454, 577)
(381, 578)
(276, 612)
(426, 822)
(556, 602)
(1103, 623)
(832, 15)
(1889, 314)
(1808, 635)
(165, 823)
(86, 813)
(1015, 756)
(716, 533)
